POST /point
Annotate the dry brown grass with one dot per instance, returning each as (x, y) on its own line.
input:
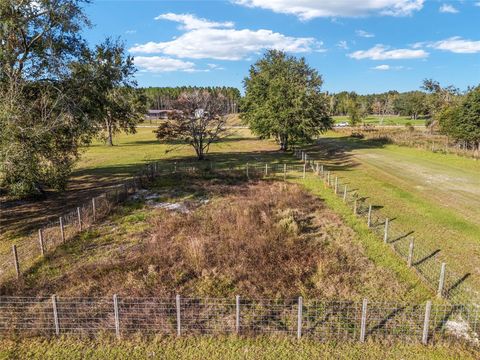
(263, 239)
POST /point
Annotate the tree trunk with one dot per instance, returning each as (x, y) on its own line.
(109, 131)
(283, 142)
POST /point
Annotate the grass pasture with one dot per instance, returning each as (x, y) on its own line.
(388, 120)
(226, 348)
(435, 195)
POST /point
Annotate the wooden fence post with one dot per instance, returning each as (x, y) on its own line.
(321, 170)
(266, 169)
(55, 315)
(345, 194)
(369, 219)
(317, 169)
(116, 315)
(237, 314)
(284, 171)
(62, 231)
(94, 208)
(299, 317)
(177, 305)
(441, 281)
(15, 260)
(336, 185)
(304, 170)
(410, 253)
(385, 234)
(363, 322)
(246, 169)
(328, 178)
(355, 206)
(40, 241)
(426, 321)
(79, 217)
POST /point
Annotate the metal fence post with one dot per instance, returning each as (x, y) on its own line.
(345, 194)
(426, 321)
(363, 322)
(385, 234)
(177, 305)
(94, 208)
(304, 170)
(62, 232)
(441, 281)
(116, 314)
(79, 217)
(40, 242)
(237, 314)
(15, 260)
(299, 317)
(410, 253)
(369, 219)
(55, 315)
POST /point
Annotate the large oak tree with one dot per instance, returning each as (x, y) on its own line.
(283, 100)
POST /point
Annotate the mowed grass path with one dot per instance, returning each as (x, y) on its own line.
(435, 195)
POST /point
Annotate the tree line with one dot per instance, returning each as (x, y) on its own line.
(165, 98)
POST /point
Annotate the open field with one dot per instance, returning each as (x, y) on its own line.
(226, 348)
(437, 196)
(101, 165)
(387, 120)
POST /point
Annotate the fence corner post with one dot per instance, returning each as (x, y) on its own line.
(237, 314)
(385, 234)
(299, 317)
(441, 281)
(426, 321)
(40, 241)
(177, 306)
(62, 230)
(363, 321)
(15, 260)
(55, 315)
(117, 316)
(410, 252)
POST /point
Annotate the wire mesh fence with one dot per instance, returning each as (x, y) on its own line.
(448, 283)
(319, 320)
(62, 229)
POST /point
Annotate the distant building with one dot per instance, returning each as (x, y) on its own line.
(157, 114)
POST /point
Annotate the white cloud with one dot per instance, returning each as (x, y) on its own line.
(310, 9)
(457, 45)
(477, 3)
(385, 67)
(191, 22)
(207, 40)
(365, 34)
(342, 44)
(158, 64)
(381, 52)
(448, 9)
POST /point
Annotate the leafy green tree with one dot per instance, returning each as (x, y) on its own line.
(42, 122)
(283, 100)
(462, 122)
(356, 113)
(118, 104)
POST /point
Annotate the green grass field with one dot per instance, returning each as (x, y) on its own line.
(435, 195)
(388, 120)
(226, 348)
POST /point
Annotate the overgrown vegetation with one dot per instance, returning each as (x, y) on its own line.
(261, 240)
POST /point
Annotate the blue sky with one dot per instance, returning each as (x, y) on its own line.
(357, 45)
